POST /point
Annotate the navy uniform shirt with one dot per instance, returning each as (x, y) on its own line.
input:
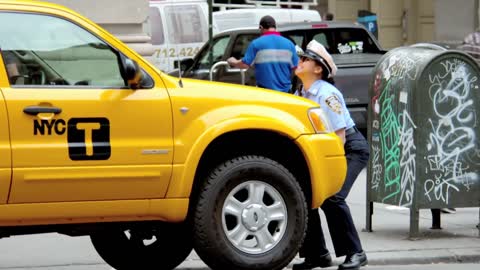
(332, 103)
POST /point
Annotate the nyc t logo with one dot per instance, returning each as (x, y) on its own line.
(88, 138)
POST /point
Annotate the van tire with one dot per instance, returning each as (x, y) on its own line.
(172, 245)
(234, 181)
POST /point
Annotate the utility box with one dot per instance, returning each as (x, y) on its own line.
(424, 131)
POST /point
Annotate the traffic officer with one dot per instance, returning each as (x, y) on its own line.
(316, 70)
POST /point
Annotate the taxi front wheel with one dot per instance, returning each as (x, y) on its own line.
(251, 214)
(162, 246)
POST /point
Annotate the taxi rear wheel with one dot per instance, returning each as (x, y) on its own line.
(163, 247)
(251, 214)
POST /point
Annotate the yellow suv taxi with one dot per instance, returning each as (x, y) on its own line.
(96, 141)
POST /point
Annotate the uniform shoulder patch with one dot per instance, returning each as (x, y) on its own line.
(334, 104)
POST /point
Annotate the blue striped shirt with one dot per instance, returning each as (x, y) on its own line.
(274, 58)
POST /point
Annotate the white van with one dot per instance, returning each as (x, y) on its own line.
(178, 29)
(250, 17)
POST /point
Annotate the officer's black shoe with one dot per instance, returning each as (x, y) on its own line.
(310, 263)
(354, 261)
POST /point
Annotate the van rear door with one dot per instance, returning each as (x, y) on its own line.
(178, 30)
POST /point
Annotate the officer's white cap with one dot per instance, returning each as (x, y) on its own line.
(317, 52)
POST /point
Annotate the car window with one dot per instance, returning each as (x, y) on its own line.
(322, 39)
(156, 26)
(296, 38)
(56, 51)
(340, 40)
(241, 44)
(186, 24)
(219, 48)
(353, 40)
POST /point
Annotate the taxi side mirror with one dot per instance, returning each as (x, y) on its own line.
(133, 74)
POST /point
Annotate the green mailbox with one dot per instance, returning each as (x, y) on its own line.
(424, 131)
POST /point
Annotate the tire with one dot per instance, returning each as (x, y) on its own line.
(161, 248)
(237, 229)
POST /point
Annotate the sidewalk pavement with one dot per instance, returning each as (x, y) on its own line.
(457, 242)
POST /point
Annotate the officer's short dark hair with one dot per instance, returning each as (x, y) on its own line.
(268, 22)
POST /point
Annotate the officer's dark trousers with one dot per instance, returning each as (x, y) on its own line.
(340, 223)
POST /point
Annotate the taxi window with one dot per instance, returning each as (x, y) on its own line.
(186, 24)
(219, 48)
(51, 51)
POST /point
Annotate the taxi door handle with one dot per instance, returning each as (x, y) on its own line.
(34, 110)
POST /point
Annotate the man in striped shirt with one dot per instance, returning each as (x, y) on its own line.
(273, 56)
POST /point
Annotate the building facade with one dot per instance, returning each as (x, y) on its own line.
(400, 22)
(403, 22)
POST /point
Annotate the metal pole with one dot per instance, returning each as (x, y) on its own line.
(436, 219)
(210, 31)
(369, 210)
(478, 226)
(414, 220)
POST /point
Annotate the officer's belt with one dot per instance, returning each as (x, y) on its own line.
(351, 131)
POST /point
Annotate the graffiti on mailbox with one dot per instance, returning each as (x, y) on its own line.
(408, 158)
(451, 141)
(377, 167)
(393, 145)
(447, 140)
(389, 140)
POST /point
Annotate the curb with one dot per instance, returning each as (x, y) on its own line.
(399, 257)
(432, 256)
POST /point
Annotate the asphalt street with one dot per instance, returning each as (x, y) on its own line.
(384, 267)
(387, 245)
(428, 267)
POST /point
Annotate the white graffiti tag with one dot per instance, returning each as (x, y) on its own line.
(400, 66)
(407, 161)
(452, 139)
(377, 168)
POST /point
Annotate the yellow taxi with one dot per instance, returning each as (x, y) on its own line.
(94, 140)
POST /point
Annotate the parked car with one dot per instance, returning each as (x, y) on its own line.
(94, 140)
(353, 48)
